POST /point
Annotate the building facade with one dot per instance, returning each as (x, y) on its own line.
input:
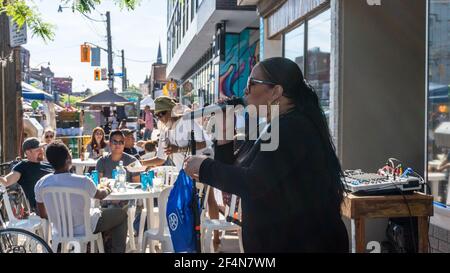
(42, 78)
(211, 47)
(157, 77)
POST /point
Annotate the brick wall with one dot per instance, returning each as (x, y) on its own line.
(439, 239)
(232, 5)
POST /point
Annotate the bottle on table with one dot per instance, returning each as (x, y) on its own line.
(121, 177)
(82, 154)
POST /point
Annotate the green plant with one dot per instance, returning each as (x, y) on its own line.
(22, 11)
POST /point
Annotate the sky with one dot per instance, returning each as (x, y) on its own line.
(138, 32)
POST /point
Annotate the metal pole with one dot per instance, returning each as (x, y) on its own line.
(195, 198)
(3, 112)
(110, 53)
(124, 72)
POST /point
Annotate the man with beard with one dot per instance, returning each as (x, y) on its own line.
(29, 171)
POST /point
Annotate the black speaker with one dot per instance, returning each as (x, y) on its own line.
(402, 234)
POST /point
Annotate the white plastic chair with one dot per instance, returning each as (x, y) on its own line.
(170, 174)
(208, 226)
(161, 233)
(33, 224)
(63, 221)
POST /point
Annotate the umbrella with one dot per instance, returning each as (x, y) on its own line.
(105, 98)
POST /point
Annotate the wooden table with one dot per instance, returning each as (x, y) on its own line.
(358, 208)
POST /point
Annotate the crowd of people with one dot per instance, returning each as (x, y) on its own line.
(298, 183)
(47, 163)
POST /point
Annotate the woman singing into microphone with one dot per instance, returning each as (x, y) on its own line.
(291, 197)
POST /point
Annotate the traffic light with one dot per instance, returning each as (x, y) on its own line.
(85, 53)
(97, 76)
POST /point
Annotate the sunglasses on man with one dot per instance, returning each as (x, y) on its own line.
(117, 142)
(49, 136)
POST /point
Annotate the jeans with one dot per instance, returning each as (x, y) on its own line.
(147, 134)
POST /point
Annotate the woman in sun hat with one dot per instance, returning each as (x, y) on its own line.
(175, 133)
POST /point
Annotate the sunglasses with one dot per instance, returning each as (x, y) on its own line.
(252, 81)
(49, 136)
(160, 114)
(99, 134)
(118, 142)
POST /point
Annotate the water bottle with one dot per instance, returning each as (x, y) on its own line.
(150, 176)
(94, 176)
(121, 177)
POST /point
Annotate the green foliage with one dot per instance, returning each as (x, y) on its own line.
(73, 99)
(22, 11)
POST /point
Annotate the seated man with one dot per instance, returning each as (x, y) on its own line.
(28, 172)
(112, 222)
(130, 144)
(106, 164)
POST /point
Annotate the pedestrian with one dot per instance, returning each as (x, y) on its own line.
(148, 121)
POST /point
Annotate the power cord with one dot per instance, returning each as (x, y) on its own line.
(410, 216)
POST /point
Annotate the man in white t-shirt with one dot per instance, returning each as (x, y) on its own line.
(174, 138)
(111, 221)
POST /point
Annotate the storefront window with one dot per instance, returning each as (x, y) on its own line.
(294, 45)
(318, 56)
(317, 31)
(438, 139)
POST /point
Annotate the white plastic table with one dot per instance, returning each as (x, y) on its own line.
(80, 165)
(134, 194)
(434, 178)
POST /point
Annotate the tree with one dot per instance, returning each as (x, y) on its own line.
(26, 11)
(133, 88)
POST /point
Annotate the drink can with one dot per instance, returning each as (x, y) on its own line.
(94, 176)
(144, 181)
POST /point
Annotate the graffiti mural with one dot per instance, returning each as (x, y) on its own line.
(240, 58)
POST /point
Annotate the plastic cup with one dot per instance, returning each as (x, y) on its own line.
(104, 182)
(86, 156)
(158, 183)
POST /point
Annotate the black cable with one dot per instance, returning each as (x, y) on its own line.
(100, 21)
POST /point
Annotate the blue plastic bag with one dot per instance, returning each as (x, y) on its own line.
(180, 214)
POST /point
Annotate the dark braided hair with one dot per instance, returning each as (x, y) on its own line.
(288, 74)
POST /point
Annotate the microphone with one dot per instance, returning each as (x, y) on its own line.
(208, 110)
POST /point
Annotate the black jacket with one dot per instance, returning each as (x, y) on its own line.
(288, 198)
